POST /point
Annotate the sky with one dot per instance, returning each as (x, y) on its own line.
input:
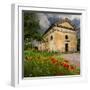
(46, 19)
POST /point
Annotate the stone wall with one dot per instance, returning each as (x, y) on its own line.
(58, 40)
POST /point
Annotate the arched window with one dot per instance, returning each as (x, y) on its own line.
(66, 36)
(51, 38)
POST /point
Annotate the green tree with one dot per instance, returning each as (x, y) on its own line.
(31, 27)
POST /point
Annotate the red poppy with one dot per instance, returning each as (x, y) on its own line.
(71, 68)
(54, 61)
(66, 65)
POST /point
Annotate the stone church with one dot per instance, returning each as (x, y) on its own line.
(61, 37)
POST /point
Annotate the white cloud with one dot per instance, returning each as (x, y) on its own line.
(43, 21)
(71, 17)
(75, 16)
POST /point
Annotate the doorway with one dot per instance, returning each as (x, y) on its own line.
(66, 47)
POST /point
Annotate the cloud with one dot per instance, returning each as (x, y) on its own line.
(46, 19)
(75, 17)
(57, 15)
(43, 21)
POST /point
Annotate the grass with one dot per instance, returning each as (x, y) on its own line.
(45, 63)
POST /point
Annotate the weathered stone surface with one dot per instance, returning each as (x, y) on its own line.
(55, 39)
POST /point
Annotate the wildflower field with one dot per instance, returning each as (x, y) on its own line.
(38, 63)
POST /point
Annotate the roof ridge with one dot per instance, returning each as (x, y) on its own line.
(60, 22)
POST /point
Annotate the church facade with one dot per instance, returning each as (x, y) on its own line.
(60, 37)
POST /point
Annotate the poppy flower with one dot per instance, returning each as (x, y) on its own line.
(53, 60)
(66, 65)
(71, 68)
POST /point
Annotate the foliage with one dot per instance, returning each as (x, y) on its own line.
(47, 64)
(31, 27)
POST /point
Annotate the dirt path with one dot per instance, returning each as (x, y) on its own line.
(73, 58)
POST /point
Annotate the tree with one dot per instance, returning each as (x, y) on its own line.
(31, 27)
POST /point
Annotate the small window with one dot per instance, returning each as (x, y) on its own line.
(66, 36)
(51, 38)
